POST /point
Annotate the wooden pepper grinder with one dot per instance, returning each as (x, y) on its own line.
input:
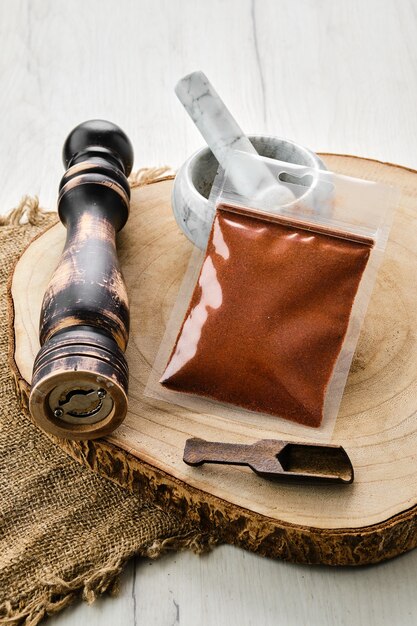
(80, 375)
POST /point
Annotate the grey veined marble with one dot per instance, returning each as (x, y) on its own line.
(194, 181)
(250, 177)
(211, 116)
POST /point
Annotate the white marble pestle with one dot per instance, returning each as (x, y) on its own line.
(224, 137)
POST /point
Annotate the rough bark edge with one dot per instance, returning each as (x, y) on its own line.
(220, 521)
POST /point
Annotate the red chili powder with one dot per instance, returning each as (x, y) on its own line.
(268, 316)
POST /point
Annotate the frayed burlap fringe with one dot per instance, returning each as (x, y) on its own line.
(57, 593)
(65, 532)
(196, 541)
(28, 211)
(147, 175)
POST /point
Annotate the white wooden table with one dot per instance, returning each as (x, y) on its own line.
(336, 76)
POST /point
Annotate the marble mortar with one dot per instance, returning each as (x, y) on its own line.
(195, 178)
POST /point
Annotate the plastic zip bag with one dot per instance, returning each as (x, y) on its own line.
(267, 320)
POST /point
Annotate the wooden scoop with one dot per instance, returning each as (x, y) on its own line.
(275, 459)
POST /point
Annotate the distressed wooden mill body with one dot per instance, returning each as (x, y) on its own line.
(80, 375)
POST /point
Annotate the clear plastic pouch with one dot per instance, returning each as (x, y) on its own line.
(267, 319)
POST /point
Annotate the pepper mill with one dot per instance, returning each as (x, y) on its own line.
(80, 375)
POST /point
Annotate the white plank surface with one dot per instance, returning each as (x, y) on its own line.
(336, 76)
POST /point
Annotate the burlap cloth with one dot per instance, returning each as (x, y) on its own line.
(65, 532)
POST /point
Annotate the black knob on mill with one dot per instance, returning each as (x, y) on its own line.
(80, 375)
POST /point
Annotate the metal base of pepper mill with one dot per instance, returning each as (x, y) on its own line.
(79, 385)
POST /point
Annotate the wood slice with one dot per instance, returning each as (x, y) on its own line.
(371, 520)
